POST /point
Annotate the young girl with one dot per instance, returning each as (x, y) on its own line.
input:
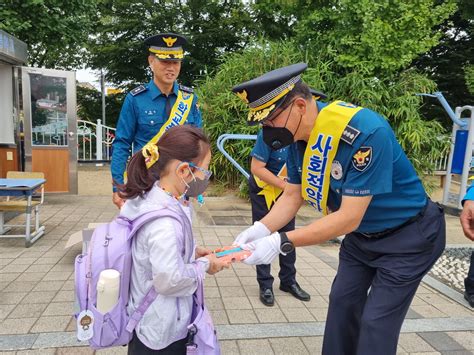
(158, 177)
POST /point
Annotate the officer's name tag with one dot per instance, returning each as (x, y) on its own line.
(85, 325)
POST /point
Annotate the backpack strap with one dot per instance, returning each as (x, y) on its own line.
(200, 286)
(138, 222)
(151, 295)
(141, 309)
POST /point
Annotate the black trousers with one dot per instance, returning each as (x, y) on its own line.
(469, 280)
(367, 322)
(136, 347)
(287, 274)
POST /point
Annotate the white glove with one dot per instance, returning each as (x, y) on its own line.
(263, 250)
(257, 231)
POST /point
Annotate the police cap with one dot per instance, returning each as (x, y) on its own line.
(266, 93)
(166, 46)
(317, 95)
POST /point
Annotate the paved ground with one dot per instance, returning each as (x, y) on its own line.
(36, 290)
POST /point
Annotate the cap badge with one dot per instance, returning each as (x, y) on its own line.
(169, 41)
(243, 96)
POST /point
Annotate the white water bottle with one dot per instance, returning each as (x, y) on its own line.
(108, 288)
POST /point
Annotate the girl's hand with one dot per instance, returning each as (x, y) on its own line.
(216, 264)
(201, 251)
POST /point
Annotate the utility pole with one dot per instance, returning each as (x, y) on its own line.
(102, 87)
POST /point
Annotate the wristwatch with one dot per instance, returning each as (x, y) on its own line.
(286, 245)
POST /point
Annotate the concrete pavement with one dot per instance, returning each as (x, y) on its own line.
(36, 290)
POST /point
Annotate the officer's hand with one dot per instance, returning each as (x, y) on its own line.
(263, 250)
(257, 231)
(117, 200)
(467, 219)
(216, 264)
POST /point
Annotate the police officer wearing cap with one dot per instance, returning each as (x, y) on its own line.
(345, 161)
(150, 109)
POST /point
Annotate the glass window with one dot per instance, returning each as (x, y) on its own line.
(48, 110)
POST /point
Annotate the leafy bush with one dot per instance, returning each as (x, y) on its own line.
(392, 96)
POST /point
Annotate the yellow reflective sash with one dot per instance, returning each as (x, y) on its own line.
(178, 115)
(269, 191)
(321, 150)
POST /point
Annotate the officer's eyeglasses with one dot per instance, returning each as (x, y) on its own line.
(269, 122)
(207, 173)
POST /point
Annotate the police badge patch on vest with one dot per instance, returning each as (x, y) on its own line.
(361, 160)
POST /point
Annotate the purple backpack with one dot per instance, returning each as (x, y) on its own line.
(111, 248)
(202, 338)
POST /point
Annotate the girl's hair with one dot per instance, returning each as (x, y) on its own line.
(183, 143)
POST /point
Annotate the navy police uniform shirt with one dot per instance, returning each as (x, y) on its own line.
(373, 165)
(144, 111)
(274, 159)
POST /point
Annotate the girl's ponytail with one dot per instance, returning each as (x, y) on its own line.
(139, 178)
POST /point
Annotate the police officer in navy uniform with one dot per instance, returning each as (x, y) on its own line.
(393, 232)
(467, 223)
(147, 107)
(267, 165)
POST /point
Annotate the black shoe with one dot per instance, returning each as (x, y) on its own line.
(469, 298)
(296, 291)
(267, 297)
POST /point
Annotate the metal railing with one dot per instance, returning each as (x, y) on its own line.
(441, 165)
(94, 141)
(220, 145)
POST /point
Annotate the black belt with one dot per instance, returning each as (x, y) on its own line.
(397, 228)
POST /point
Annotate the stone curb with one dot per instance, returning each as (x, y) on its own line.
(238, 332)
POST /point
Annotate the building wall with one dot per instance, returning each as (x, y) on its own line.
(6, 105)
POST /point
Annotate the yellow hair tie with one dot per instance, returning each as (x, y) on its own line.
(151, 154)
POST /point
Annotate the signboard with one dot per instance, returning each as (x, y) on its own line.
(12, 50)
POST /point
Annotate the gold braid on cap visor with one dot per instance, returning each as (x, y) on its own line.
(163, 53)
(261, 112)
(151, 154)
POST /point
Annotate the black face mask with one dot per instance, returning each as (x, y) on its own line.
(277, 137)
(280, 137)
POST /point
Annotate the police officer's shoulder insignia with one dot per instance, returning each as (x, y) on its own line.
(361, 160)
(138, 90)
(186, 89)
(349, 135)
(336, 170)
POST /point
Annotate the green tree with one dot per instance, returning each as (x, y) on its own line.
(89, 105)
(276, 19)
(212, 28)
(448, 62)
(382, 36)
(54, 30)
(469, 70)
